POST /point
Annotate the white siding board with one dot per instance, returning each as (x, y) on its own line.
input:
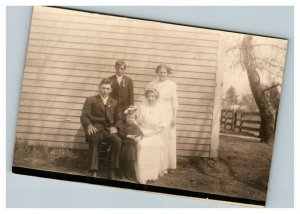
(148, 70)
(108, 32)
(136, 22)
(148, 74)
(113, 45)
(95, 81)
(72, 112)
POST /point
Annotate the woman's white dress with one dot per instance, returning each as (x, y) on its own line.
(168, 98)
(149, 149)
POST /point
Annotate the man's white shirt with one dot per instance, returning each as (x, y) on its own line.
(104, 99)
(119, 79)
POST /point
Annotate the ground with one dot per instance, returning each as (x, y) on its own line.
(241, 170)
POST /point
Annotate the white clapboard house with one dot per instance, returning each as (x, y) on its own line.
(69, 52)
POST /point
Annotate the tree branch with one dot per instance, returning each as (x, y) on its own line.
(261, 67)
(233, 48)
(238, 63)
(271, 45)
(271, 87)
(271, 64)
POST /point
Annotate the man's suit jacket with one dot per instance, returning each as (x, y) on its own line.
(96, 113)
(123, 93)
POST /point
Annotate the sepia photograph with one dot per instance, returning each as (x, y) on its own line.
(148, 105)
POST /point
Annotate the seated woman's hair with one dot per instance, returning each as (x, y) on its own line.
(165, 66)
(120, 63)
(147, 90)
(105, 81)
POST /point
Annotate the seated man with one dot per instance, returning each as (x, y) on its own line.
(99, 119)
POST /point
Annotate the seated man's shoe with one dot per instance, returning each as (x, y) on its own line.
(94, 174)
(113, 175)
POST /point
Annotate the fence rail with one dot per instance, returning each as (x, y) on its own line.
(248, 122)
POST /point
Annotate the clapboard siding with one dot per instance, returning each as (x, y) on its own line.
(54, 98)
(54, 40)
(137, 59)
(60, 105)
(35, 116)
(124, 21)
(116, 26)
(69, 52)
(92, 81)
(202, 59)
(126, 33)
(37, 45)
(148, 74)
(120, 45)
(86, 93)
(79, 136)
(72, 112)
(103, 67)
(58, 122)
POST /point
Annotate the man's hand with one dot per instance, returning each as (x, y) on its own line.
(113, 130)
(91, 129)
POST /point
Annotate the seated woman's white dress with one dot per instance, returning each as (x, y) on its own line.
(168, 99)
(150, 147)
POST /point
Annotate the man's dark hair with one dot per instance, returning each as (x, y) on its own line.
(120, 63)
(105, 81)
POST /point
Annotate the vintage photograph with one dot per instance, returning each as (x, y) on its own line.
(150, 103)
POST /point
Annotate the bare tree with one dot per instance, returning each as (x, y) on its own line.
(231, 95)
(256, 65)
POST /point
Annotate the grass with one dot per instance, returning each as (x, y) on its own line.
(241, 170)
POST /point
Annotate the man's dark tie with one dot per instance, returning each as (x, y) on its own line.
(106, 118)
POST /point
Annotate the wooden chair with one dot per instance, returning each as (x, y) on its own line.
(104, 155)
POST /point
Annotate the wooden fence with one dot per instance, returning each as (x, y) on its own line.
(247, 122)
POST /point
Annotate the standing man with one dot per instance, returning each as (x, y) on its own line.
(122, 87)
(100, 117)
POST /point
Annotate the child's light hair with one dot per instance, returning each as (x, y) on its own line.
(131, 111)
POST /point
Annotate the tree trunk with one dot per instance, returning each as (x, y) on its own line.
(267, 117)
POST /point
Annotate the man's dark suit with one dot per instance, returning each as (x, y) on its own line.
(101, 117)
(122, 92)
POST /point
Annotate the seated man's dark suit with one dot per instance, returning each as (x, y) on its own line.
(102, 117)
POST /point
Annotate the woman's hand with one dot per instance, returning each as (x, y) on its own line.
(131, 136)
(173, 122)
(137, 139)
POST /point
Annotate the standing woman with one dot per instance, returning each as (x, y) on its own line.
(168, 98)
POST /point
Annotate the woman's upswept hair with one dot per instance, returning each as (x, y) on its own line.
(165, 66)
(150, 89)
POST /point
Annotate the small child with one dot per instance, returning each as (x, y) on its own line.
(130, 134)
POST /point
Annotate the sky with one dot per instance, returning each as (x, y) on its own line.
(237, 77)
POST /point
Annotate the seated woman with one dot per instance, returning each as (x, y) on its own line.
(149, 148)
